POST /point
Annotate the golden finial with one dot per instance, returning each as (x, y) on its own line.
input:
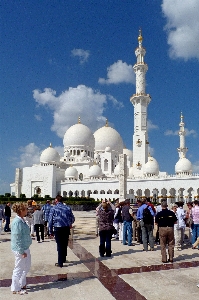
(50, 145)
(79, 120)
(149, 154)
(140, 38)
(106, 123)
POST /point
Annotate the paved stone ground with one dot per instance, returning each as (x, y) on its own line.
(129, 274)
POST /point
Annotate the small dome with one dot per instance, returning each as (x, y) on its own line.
(71, 172)
(79, 135)
(95, 171)
(129, 154)
(108, 149)
(151, 167)
(108, 137)
(50, 155)
(183, 166)
(117, 170)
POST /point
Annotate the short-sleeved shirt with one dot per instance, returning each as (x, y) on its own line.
(166, 218)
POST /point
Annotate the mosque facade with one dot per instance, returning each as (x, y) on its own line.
(99, 166)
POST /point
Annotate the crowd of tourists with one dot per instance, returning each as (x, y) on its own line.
(120, 221)
(123, 223)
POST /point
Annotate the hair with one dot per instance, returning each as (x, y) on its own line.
(29, 202)
(38, 207)
(195, 202)
(190, 203)
(127, 201)
(105, 205)
(164, 204)
(19, 206)
(59, 198)
(174, 205)
(180, 203)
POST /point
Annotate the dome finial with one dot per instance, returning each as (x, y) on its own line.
(50, 145)
(106, 123)
(79, 120)
(140, 38)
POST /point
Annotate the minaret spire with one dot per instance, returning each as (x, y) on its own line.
(140, 101)
(182, 150)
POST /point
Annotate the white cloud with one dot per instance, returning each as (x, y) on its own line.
(187, 131)
(119, 72)
(38, 117)
(151, 126)
(115, 101)
(30, 155)
(182, 27)
(82, 101)
(83, 55)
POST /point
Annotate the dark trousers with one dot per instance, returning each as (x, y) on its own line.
(167, 238)
(6, 227)
(39, 227)
(147, 235)
(61, 238)
(105, 242)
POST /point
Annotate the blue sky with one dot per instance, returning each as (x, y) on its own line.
(64, 59)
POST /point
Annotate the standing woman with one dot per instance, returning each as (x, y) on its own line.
(20, 243)
(29, 216)
(195, 216)
(106, 216)
(38, 219)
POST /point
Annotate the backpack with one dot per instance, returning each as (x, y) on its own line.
(147, 216)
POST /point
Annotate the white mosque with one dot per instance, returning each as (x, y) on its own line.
(98, 165)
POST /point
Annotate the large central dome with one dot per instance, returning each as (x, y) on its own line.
(79, 135)
(108, 137)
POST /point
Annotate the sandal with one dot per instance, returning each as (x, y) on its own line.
(20, 292)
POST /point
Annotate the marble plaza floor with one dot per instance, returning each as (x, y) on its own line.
(129, 274)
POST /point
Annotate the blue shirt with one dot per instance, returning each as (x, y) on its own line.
(140, 211)
(46, 209)
(20, 235)
(60, 216)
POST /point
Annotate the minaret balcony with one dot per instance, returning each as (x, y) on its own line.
(139, 165)
(139, 143)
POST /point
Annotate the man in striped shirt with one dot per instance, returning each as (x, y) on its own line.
(61, 219)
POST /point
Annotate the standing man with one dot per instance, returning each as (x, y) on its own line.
(61, 218)
(46, 210)
(2, 218)
(7, 214)
(146, 223)
(127, 223)
(166, 219)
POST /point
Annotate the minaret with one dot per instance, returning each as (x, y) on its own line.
(140, 101)
(182, 150)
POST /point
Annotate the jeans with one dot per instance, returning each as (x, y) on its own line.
(195, 232)
(61, 238)
(6, 227)
(127, 232)
(147, 235)
(105, 238)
